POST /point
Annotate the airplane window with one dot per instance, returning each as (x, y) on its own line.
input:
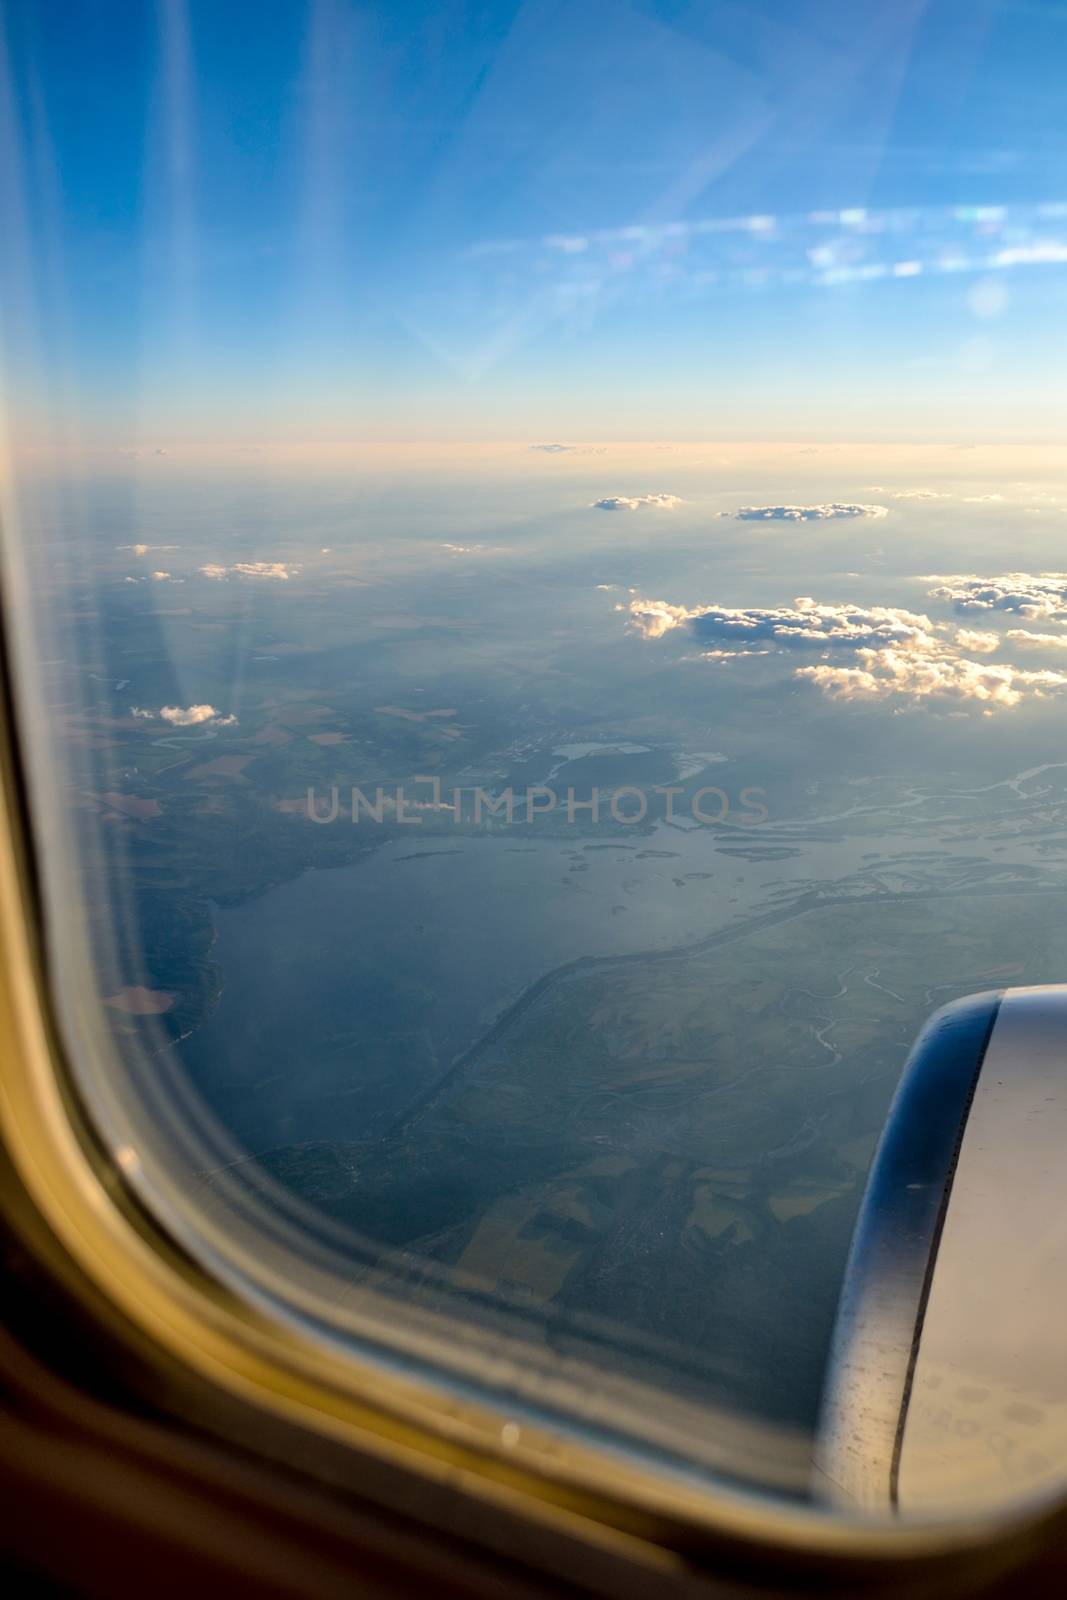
(533, 546)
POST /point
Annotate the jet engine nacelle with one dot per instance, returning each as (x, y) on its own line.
(946, 1388)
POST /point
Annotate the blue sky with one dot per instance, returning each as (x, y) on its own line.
(333, 220)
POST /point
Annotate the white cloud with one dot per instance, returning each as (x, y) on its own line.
(981, 499)
(872, 652)
(160, 577)
(807, 624)
(653, 618)
(251, 569)
(1041, 595)
(264, 569)
(1045, 252)
(553, 449)
(896, 674)
(730, 655)
(979, 643)
(919, 494)
(1037, 641)
(831, 510)
(621, 502)
(186, 716)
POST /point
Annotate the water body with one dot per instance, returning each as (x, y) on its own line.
(348, 992)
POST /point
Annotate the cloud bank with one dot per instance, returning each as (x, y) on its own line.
(265, 569)
(251, 569)
(919, 494)
(884, 652)
(186, 716)
(1042, 595)
(887, 674)
(1037, 641)
(806, 624)
(978, 642)
(621, 502)
(830, 511)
